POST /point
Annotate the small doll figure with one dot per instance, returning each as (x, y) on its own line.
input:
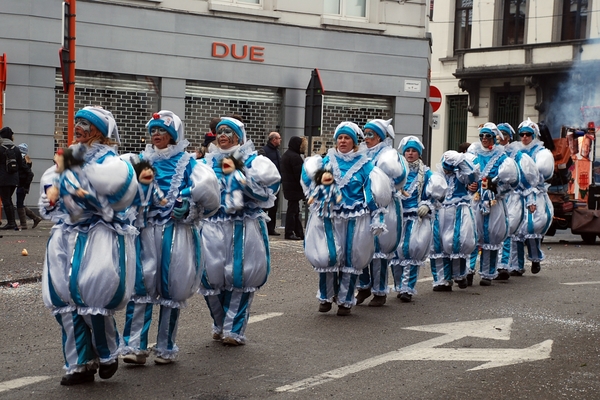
(235, 181)
(148, 191)
(326, 193)
(487, 195)
(68, 185)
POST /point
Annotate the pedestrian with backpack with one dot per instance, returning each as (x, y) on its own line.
(11, 162)
(25, 179)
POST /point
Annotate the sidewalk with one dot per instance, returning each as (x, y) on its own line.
(16, 268)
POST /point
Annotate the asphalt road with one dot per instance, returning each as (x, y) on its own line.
(531, 337)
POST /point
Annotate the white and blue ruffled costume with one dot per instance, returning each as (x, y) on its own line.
(89, 268)
(384, 156)
(236, 241)
(502, 175)
(170, 262)
(340, 246)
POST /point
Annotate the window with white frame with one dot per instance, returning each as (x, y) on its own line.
(251, 3)
(346, 8)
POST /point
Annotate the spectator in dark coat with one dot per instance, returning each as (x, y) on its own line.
(291, 169)
(271, 151)
(9, 181)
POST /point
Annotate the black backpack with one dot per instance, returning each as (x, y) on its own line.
(11, 160)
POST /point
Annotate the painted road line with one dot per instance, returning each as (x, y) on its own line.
(17, 383)
(498, 329)
(262, 317)
(582, 283)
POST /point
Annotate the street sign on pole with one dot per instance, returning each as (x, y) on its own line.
(435, 98)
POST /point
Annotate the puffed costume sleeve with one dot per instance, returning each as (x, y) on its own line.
(508, 175)
(115, 179)
(436, 187)
(262, 180)
(204, 192)
(395, 167)
(529, 173)
(467, 172)
(49, 178)
(544, 160)
(378, 191)
(309, 169)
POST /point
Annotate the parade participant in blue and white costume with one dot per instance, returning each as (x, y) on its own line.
(339, 245)
(169, 267)
(528, 176)
(421, 188)
(378, 144)
(538, 209)
(89, 268)
(499, 176)
(236, 238)
(456, 235)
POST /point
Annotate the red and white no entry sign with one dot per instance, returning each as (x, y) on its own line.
(435, 98)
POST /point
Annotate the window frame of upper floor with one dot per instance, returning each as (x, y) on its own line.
(513, 25)
(343, 10)
(574, 23)
(463, 12)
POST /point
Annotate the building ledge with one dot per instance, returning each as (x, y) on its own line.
(344, 23)
(254, 12)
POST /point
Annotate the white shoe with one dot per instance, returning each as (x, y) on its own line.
(162, 361)
(139, 359)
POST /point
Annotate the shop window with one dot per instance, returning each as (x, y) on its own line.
(574, 19)
(346, 8)
(514, 14)
(462, 24)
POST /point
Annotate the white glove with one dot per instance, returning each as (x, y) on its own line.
(45, 202)
(423, 211)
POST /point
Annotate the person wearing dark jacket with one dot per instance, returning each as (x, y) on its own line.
(291, 170)
(9, 180)
(25, 178)
(271, 151)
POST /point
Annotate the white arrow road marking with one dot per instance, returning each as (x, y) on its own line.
(17, 383)
(497, 329)
(262, 317)
(582, 283)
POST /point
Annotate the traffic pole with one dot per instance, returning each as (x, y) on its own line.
(71, 112)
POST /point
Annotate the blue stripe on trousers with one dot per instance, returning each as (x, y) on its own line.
(165, 259)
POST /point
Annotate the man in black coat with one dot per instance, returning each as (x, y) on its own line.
(9, 180)
(271, 151)
(291, 170)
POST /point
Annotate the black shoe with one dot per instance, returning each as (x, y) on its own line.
(442, 288)
(462, 284)
(324, 307)
(535, 267)
(343, 311)
(516, 272)
(405, 297)
(106, 371)
(470, 279)
(274, 234)
(12, 228)
(503, 275)
(78, 378)
(293, 237)
(485, 282)
(362, 295)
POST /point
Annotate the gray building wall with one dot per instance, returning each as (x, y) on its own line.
(176, 48)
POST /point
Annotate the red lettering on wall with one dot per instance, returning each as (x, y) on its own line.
(257, 53)
(222, 50)
(234, 55)
(223, 46)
